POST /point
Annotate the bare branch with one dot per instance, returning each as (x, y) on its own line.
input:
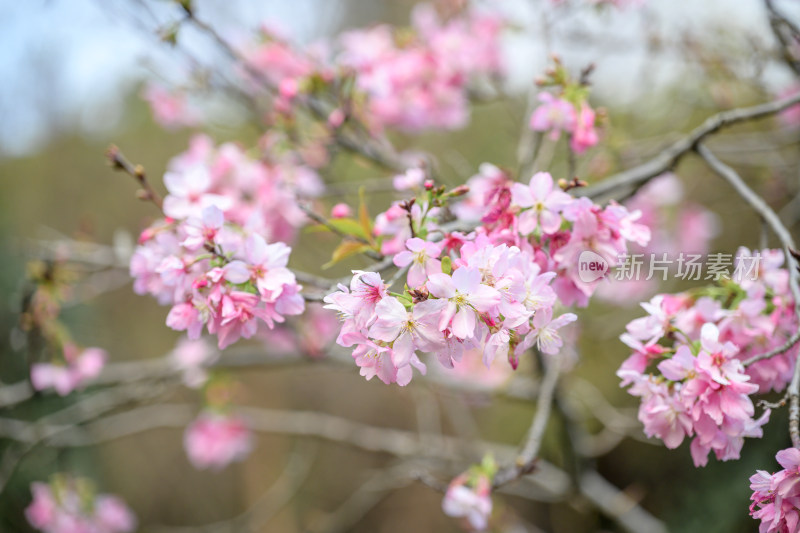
(526, 460)
(273, 500)
(669, 158)
(617, 505)
(785, 32)
(119, 162)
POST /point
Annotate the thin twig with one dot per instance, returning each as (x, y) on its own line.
(120, 162)
(526, 460)
(264, 509)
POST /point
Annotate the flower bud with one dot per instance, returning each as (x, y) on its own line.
(341, 211)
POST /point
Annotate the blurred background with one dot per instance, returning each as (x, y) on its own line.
(72, 76)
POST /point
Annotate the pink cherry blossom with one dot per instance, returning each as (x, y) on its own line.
(423, 258)
(546, 330)
(406, 330)
(465, 295)
(584, 135)
(699, 387)
(202, 230)
(341, 211)
(189, 193)
(113, 515)
(776, 497)
(544, 202)
(190, 358)
(472, 503)
(411, 179)
(170, 108)
(555, 115)
(70, 505)
(77, 368)
(213, 441)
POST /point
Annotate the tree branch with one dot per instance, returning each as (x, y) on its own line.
(669, 158)
(526, 460)
(119, 162)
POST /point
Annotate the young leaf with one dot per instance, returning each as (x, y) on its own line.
(346, 249)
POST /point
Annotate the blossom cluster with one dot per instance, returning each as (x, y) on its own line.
(776, 497)
(209, 258)
(259, 191)
(272, 58)
(412, 78)
(70, 505)
(687, 365)
(556, 114)
(418, 78)
(218, 436)
(491, 297)
(216, 274)
(493, 289)
(76, 369)
(552, 226)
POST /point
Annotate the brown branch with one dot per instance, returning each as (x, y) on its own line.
(526, 459)
(669, 158)
(154, 371)
(266, 507)
(785, 31)
(49, 428)
(548, 482)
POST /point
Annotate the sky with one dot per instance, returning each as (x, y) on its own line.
(70, 64)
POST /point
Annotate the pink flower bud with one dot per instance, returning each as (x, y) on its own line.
(341, 211)
(336, 118)
(288, 88)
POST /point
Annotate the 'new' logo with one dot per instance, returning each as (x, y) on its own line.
(591, 266)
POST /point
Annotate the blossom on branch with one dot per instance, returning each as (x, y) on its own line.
(70, 505)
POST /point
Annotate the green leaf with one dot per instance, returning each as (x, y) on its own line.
(345, 250)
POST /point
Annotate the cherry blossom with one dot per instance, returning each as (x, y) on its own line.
(544, 201)
(699, 387)
(776, 500)
(555, 115)
(191, 358)
(214, 440)
(69, 505)
(77, 368)
(170, 108)
(422, 257)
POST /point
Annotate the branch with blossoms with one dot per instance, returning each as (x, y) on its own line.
(453, 287)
